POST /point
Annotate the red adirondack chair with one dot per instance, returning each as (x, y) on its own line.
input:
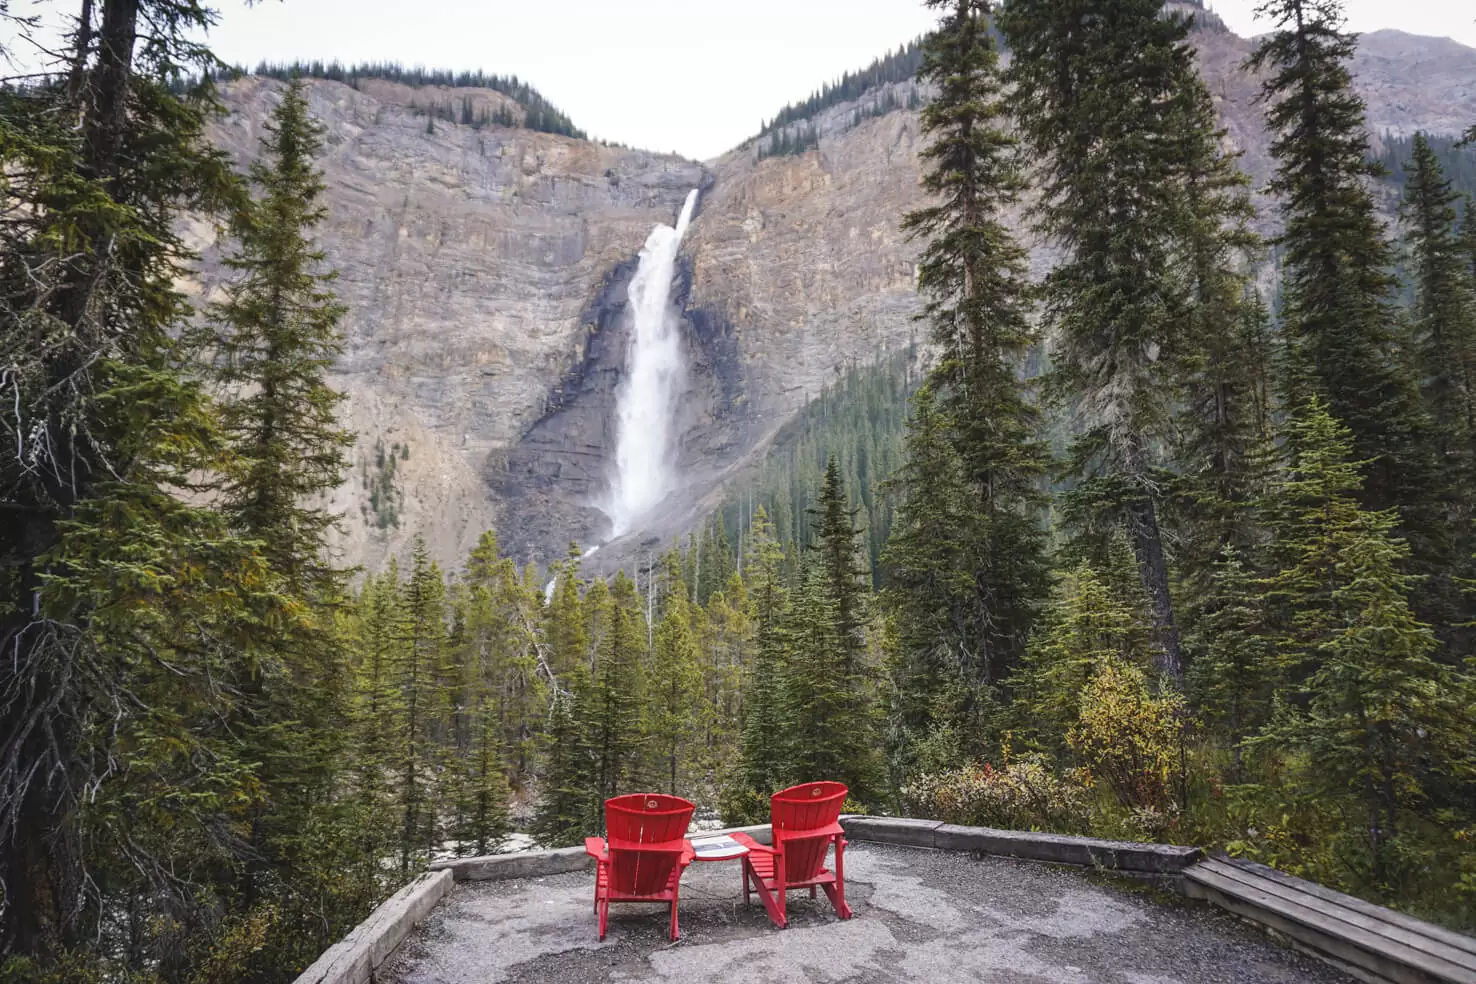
(646, 854)
(805, 824)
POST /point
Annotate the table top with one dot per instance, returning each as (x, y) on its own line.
(719, 848)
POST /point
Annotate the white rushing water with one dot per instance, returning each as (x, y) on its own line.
(654, 376)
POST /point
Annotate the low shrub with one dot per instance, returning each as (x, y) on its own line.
(1023, 795)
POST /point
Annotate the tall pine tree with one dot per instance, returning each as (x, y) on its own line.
(1336, 316)
(974, 276)
(1109, 102)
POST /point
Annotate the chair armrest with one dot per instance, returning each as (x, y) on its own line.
(595, 848)
(754, 845)
(832, 830)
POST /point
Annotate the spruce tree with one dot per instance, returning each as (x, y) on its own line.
(1086, 625)
(974, 276)
(568, 806)
(615, 719)
(420, 654)
(1468, 236)
(675, 685)
(1223, 451)
(930, 593)
(1236, 672)
(1444, 345)
(104, 431)
(271, 341)
(830, 683)
(1341, 341)
(765, 763)
(1376, 715)
(1109, 103)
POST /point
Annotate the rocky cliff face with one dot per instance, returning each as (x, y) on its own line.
(485, 275)
(468, 260)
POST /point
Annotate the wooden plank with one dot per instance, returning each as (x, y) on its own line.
(1447, 936)
(1391, 960)
(1360, 918)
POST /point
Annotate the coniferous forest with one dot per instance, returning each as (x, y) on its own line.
(1128, 550)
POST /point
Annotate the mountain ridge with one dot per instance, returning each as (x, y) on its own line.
(482, 269)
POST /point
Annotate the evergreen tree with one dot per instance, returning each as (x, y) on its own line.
(930, 591)
(1223, 359)
(273, 339)
(830, 684)
(615, 712)
(973, 274)
(1086, 626)
(271, 342)
(103, 431)
(1236, 671)
(1468, 236)
(678, 712)
(1337, 281)
(765, 765)
(568, 641)
(568, 806)
(1108, 100)
(419, 657)
(835, 540)
(1444, 332)
(1376, 715)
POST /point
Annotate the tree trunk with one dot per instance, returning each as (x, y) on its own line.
(1153, 569)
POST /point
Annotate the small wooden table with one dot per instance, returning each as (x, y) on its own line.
(719, 848)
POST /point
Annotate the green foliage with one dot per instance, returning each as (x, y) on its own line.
(790, 141)
(1395, 160)
(1342, 338)
(860, 420)
(1089, 623)
(1444, 348)
(1110, 104)
(1374, 715)
(377, 478)
(898, 66)
(1021, 795)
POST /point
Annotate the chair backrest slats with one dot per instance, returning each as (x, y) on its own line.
(645, 818)
(810, 806)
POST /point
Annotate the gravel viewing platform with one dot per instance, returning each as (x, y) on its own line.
(920, 916)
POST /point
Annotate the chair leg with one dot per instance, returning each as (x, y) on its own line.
(779, 885)
(674, 931)
(604, 910)
(812, 891)
(839, 898)
(747, 893)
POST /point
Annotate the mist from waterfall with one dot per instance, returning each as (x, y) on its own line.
(654, 377)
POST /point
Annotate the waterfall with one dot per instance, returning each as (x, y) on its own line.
(653, 380)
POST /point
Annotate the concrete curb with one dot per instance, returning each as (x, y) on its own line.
(1128, 857)
(355, 958)
(538, 864)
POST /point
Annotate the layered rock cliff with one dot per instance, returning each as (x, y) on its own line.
(484, 271)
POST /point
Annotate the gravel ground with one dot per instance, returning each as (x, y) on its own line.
(920, 916)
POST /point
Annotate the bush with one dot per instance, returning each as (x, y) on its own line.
(1134, 742)
(1024, 795)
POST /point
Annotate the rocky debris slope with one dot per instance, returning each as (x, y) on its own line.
(484, 272)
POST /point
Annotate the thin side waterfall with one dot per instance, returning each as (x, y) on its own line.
(654, 378)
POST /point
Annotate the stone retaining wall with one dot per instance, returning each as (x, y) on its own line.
(355, 958)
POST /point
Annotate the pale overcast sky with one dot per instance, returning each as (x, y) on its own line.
(694, 76)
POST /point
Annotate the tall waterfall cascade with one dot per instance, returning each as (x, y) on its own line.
(654, 376)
